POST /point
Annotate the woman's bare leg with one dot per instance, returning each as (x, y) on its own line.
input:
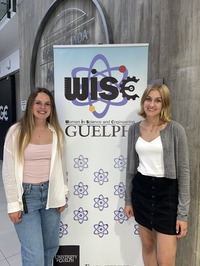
(148, 239)
(166, 249)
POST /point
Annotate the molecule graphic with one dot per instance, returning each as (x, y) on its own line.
(81, 190)
(101, 177)
(124, 86)
(66, 202)
(120, 215)
(120, 163)
(101, 229)
(81, 215)
(136, 231)
(63, 229)
(101, 202)
(81, 163)
(120, 190)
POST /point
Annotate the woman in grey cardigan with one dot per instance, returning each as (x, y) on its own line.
(158, 178)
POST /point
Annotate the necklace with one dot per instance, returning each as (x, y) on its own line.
(40, 132)
(153, 128)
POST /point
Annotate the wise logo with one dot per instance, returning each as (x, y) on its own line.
(89, 86)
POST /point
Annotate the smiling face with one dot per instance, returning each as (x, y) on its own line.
(153, 104)
(42, 106)
(156, 101)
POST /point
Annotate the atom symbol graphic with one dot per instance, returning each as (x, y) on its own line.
(120, 190)
(66, 202)
(63, 229)
(120, 215)
(81, 190)
(81, 163)
(80, 215)
(107, 72)
(101, 177)
(120, 163)
(136, 231)
(101, 202)
(101, 229)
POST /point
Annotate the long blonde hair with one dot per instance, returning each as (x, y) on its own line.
(27, 122)
(165, 114)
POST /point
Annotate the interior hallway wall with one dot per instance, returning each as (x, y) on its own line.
(172, 30)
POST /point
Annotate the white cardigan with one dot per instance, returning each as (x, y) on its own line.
(12, 173)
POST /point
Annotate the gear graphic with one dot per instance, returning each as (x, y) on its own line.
(127, 88)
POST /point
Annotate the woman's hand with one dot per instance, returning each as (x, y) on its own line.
(181, 228)
(61, 209)
(15, 217)
(128, 210)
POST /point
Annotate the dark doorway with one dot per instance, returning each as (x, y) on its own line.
(7, 108)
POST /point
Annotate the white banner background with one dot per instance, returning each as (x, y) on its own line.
(96, 161)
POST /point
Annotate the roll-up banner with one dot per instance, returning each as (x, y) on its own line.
(97, 92)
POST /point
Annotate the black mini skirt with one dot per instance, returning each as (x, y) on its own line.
(155, 202)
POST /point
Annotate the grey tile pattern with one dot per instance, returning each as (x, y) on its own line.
(9, 244)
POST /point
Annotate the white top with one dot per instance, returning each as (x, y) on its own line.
(37, 161)
(12, 173)
(150, 157)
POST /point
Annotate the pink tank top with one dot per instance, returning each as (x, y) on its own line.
(37, 160)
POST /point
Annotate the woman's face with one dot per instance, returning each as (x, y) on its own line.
(153, 104)
(42, 106)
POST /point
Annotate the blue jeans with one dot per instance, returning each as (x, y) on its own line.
(38, 232)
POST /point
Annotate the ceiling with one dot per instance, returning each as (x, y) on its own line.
(9, 38)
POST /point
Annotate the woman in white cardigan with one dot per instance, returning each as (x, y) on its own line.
(35, 179)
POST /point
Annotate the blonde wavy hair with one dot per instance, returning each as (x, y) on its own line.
(165, 114)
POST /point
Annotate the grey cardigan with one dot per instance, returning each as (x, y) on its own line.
(176, 162)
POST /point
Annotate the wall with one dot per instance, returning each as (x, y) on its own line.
(10, 64)
(172, 30)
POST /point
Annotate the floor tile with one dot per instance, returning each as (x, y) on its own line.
(4, 263)
(5, 222)
(3, 203)
(1, 181)
(1, 256)
(15, 260)
(9, 243)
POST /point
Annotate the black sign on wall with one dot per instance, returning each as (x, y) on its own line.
(7, 108)
(67, 256)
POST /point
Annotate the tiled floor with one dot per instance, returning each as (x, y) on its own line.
(9, 244)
